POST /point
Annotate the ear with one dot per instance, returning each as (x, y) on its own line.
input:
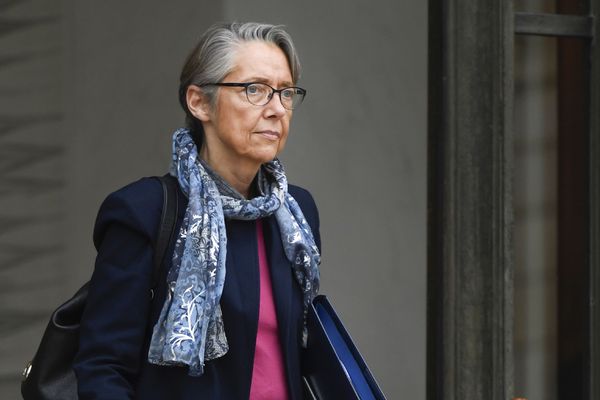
(198, 103)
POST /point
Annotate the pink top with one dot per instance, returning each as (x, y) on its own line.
(268, 373)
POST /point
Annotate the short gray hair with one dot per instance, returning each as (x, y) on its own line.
(212, 60)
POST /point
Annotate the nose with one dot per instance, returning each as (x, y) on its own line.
(274, 108)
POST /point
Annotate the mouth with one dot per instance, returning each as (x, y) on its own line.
(271, 135)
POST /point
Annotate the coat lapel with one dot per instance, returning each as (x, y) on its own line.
(241, 292)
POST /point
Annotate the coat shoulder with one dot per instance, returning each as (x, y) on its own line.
(303, 197)
(137, 206)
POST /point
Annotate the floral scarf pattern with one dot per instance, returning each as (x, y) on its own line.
(190, 329)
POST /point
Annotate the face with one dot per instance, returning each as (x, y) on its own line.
(241, 133)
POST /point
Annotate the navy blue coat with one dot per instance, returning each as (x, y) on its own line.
(117, 323)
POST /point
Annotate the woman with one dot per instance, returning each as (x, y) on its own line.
(227, 321)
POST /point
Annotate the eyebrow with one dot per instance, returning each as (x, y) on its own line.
(264, 80)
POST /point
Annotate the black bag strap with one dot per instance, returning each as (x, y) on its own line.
(167, 225)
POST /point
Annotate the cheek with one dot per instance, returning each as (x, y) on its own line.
(236, 116)
(281, 146)
(283, 140)
(247, 122)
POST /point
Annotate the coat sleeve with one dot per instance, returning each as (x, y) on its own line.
(115, 320)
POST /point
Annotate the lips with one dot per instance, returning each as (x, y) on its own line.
(272, 135)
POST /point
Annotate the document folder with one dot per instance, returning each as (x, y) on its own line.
(332, 367)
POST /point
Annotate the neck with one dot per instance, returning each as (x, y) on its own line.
(236, 173)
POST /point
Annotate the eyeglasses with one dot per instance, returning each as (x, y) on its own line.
(260, 94)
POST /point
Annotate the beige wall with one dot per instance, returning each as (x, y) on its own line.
(358, 143)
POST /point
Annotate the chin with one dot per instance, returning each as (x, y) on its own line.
(264, 160)
(265, 157)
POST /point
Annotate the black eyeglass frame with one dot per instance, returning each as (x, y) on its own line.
(245, 85)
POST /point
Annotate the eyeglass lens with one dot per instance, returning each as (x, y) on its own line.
(259, 94)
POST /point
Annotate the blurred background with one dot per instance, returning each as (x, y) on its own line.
(88, 102)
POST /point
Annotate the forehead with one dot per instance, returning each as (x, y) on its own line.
(257, 60)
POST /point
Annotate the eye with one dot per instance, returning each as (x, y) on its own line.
(253, 89)
(258, 90)
(288, 93)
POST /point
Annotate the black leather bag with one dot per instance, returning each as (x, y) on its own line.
(50, 375)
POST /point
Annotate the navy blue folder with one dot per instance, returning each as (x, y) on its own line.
(332, 367)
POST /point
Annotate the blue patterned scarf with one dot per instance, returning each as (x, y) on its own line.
(190, 330)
